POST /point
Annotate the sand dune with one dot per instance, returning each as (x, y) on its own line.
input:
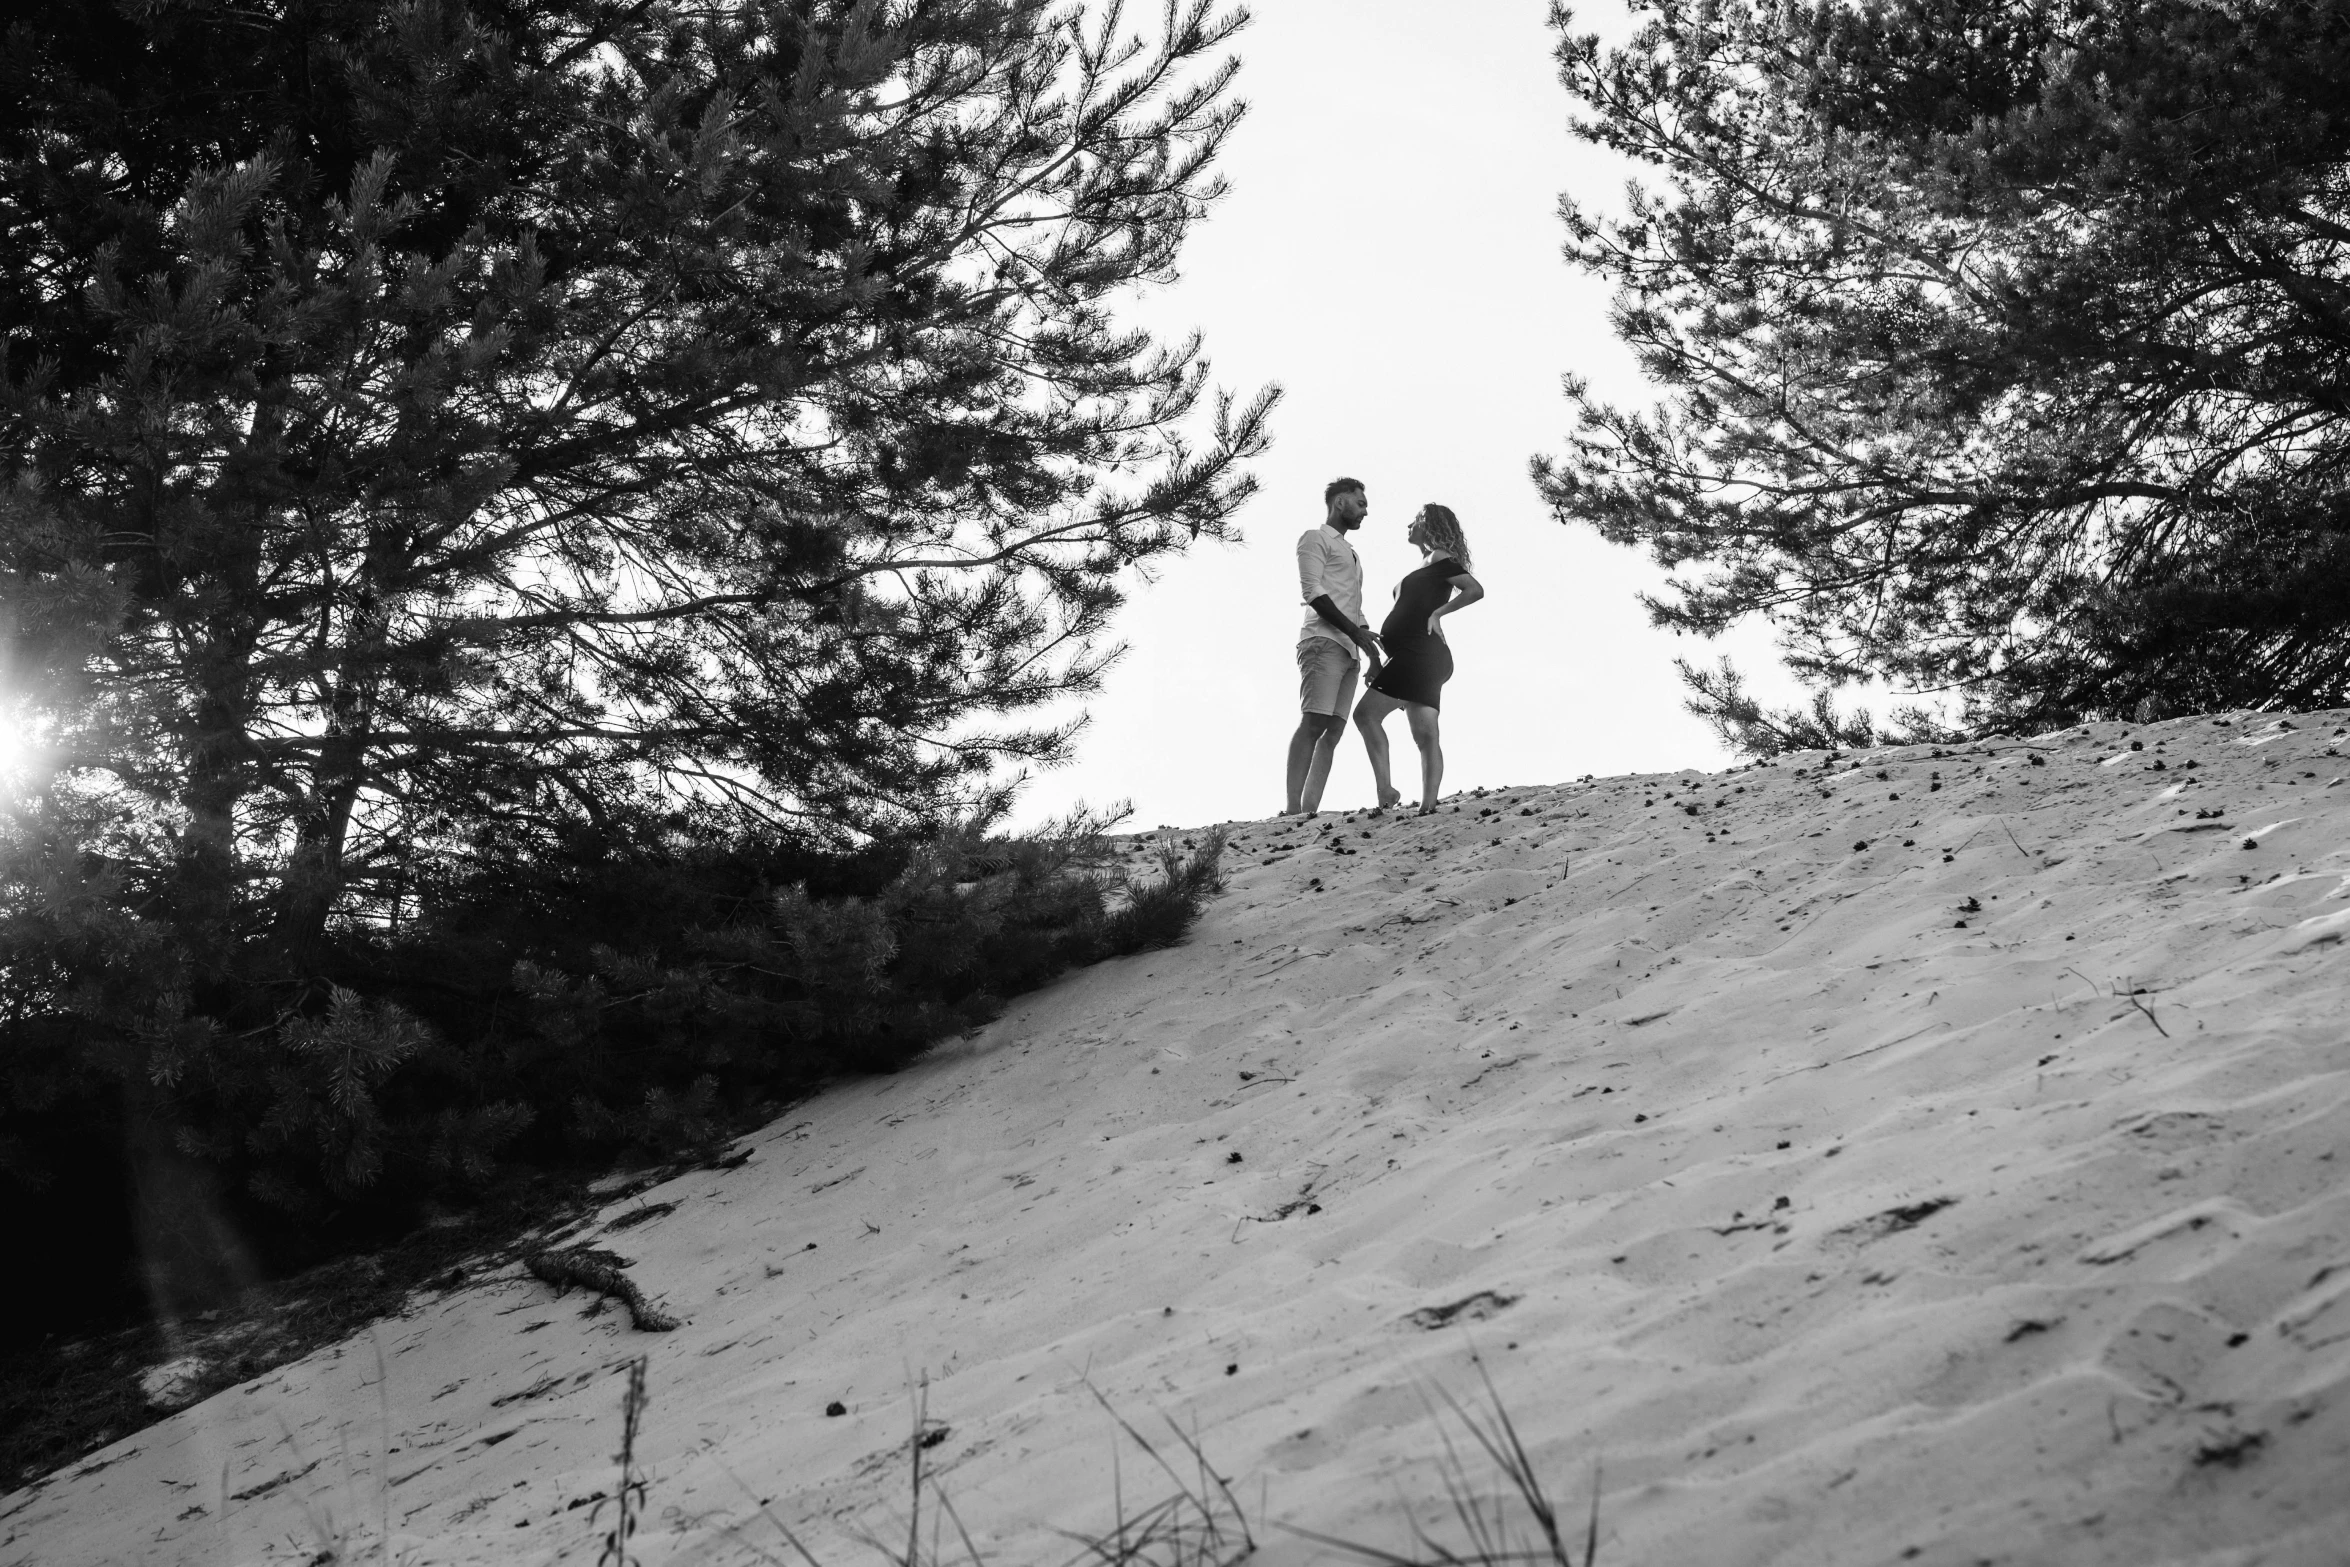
(1922, 1155)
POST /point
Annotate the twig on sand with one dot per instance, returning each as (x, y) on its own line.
(2124, 992)
(1822, 1066)
(2131, 996)
(598, 1270)
(1613, 893)
(2011, 837)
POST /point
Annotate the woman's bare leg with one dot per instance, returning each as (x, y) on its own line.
(1371, 718)
(1423, 722)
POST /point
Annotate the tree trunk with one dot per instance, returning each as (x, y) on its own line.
(313, 877)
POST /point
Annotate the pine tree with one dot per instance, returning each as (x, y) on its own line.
(2002, 345)
(436, 429)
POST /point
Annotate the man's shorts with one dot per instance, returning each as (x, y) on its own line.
(1325, 676)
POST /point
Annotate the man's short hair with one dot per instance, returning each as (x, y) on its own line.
(1337, 487)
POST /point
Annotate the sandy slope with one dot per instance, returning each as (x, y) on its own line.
(1847, 1223)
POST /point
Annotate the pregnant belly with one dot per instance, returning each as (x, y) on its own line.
(1420, 653)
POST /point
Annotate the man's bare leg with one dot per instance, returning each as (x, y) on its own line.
(1371, 721)
(1310, 750)
(1325, 750)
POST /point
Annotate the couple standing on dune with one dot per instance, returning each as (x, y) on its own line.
(1409, 660)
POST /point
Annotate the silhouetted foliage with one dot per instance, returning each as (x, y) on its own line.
(2002, 344)
(530, 534)
(1719, 696)
(1158, 914)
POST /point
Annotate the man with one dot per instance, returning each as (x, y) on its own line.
(1330, 580)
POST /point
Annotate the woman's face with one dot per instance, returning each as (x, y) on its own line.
(1417, 533)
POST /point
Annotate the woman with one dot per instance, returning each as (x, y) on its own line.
(1418, 662)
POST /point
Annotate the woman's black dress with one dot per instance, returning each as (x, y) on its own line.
(1418, 664)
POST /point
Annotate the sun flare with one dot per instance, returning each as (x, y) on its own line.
(16, 742)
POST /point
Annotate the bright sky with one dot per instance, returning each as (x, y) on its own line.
(1390, 253)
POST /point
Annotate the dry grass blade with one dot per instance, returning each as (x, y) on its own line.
(1188, 1529)
(781, 1527)
(629, 1503)
(921, 1401)
(383, 1454)
(1202, 1537)
(1483, 1521)
(325, 1535)
(946, 1505)
(916, 1444)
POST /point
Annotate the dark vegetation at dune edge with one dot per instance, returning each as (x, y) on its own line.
(535, 544)
(475, 1073)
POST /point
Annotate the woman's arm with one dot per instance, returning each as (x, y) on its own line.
(1466, 590)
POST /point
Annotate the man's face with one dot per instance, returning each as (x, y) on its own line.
(1347, 508)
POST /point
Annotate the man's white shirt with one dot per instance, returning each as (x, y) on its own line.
(1326, 563)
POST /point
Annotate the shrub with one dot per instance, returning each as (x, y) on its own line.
(551, 1015)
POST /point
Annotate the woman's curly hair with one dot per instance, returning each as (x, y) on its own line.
(1444, 532)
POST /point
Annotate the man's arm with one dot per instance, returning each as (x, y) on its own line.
(1310, 560)
(1321, 605)
(1362, 636)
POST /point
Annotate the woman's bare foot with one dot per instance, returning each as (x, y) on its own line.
(1389, 798)
(1426, 810)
